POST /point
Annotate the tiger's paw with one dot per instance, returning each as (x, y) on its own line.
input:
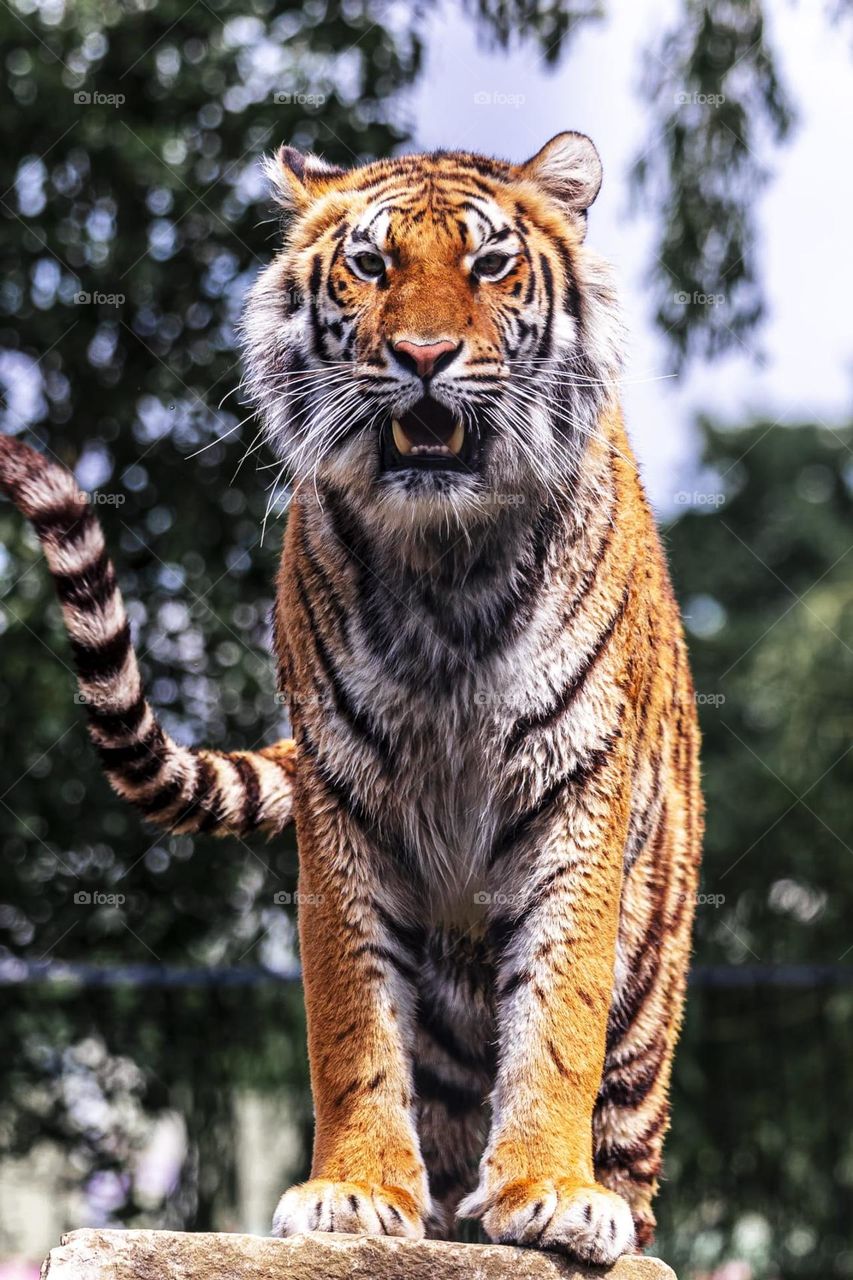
(352, 1207)
(588, 1222)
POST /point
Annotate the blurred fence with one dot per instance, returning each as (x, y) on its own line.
(749, 1168)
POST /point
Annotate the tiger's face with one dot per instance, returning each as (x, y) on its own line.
(434, 336)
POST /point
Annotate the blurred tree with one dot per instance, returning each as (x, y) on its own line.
(129, 232)
(760, 1159)
(717, 100)
(762, 563)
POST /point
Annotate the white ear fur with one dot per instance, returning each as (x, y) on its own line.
(569, 169)
(296, 178)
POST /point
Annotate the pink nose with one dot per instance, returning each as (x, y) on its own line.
(424, 355)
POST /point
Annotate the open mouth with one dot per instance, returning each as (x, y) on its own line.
(429, 437)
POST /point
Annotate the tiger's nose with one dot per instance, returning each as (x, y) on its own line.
(425, 358)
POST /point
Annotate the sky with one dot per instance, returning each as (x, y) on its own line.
(799, 365)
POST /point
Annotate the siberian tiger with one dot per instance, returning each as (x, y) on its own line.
(494, 768)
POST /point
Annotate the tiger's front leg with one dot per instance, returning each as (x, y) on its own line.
(558, 879)
(367, 1173)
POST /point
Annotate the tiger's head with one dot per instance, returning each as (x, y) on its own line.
(434, 336)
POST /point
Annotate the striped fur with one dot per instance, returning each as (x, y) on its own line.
(496, 800)
(181, 789)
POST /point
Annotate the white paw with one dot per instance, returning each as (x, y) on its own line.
(589, 1223)
(351, 1207)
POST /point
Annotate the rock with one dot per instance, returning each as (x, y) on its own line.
(175, 1255)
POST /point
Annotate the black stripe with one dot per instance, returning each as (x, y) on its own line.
(431, 1022)
(410, 936)
(530, 724)
(357, 721)
(104, 660)
(139, 762)
(335, 786)
(544, 348)
(66, 522)
(251, 791)
(314, 311)
(396, 852)
(89, 588)
(522, 826)
(115, 723)
(205, 805)
(324, 581)
(590, 576)
(513, 982)
(571, 292)
(385, 953)
(618, 1155)
(163, 798)
(619, 1092)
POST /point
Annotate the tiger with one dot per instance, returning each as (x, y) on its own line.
(493, 770)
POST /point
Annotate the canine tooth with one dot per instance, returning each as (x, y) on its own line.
(457, 440)
(401, 440)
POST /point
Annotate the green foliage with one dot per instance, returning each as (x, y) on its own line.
(760, 1158)
(767, 592)
(152, 206)
(155, 200)
(718, 98)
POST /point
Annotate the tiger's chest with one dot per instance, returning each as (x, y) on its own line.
(455, 781)
(423, 693)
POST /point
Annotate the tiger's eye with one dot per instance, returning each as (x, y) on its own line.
(369, 264)
(490, 265)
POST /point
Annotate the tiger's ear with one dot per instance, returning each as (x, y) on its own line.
(569, 169)
(298, 179)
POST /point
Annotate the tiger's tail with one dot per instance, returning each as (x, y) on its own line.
(180, 789)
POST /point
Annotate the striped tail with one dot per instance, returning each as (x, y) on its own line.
(181, 789)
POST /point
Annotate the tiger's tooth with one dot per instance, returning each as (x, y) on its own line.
(457, 440)
(401, 440)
